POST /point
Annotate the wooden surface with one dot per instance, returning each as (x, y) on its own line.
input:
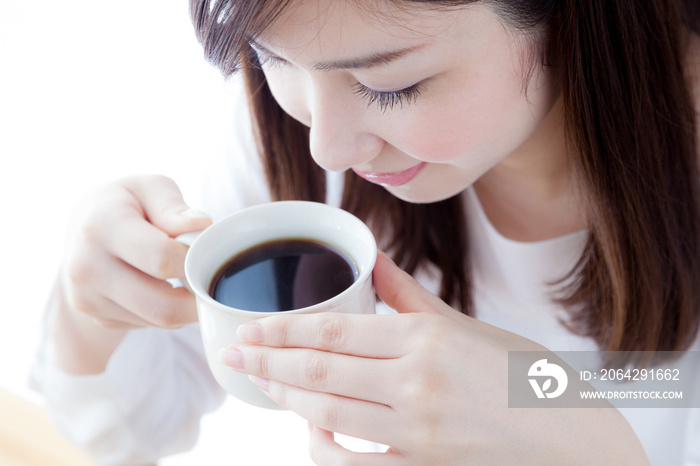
(28, 437)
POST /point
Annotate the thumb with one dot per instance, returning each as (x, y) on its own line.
(402, 292)
(164, 207)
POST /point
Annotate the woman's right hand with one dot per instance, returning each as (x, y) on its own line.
(120, 253)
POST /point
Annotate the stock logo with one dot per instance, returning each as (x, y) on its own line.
(546, 372)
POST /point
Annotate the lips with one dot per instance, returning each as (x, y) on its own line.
(392, 178)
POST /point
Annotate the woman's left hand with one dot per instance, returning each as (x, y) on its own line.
(429, 382)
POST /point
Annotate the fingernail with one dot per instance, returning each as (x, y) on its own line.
(251, 332)
(232, 357)
(262, 383)
(192, 213)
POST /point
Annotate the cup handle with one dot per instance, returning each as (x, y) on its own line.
(187, 239)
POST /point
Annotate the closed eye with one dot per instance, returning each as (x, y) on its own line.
(388, 100)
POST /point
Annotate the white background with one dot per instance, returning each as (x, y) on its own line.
(91, 91)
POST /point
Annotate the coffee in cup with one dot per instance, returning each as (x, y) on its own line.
(282, 275)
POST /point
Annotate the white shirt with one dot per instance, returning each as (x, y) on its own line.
(148, 402)
(511, 292)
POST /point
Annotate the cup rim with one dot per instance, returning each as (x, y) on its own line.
(362, 277)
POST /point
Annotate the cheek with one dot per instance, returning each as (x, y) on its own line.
(489, 121)
(447, 133)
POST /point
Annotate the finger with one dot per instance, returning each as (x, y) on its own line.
(145, 247)
(135, 222)
(361, 419)
(150, 299)
(357, 334)
(116, 324)
(164, 206)
(102, 310)
(153, 300)
(339, 374)
(402, 292)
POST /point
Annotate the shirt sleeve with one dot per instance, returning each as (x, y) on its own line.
(148, 402)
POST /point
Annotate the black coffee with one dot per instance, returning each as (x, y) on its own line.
(282, 275)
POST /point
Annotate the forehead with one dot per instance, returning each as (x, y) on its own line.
(332, 28)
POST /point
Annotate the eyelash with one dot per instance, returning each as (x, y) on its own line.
(388, 100)
(384, 100)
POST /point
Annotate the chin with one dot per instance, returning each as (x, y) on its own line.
(419, 196)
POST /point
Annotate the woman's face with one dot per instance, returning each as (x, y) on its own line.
(420, 101)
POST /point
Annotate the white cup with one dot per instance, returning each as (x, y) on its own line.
(214, 246)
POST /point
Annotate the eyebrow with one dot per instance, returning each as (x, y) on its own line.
(369, 61)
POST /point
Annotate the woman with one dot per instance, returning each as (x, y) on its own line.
(533, 163)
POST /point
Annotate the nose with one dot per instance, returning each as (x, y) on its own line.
(339, 138)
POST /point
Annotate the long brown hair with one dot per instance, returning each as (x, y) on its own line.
(631, 133)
